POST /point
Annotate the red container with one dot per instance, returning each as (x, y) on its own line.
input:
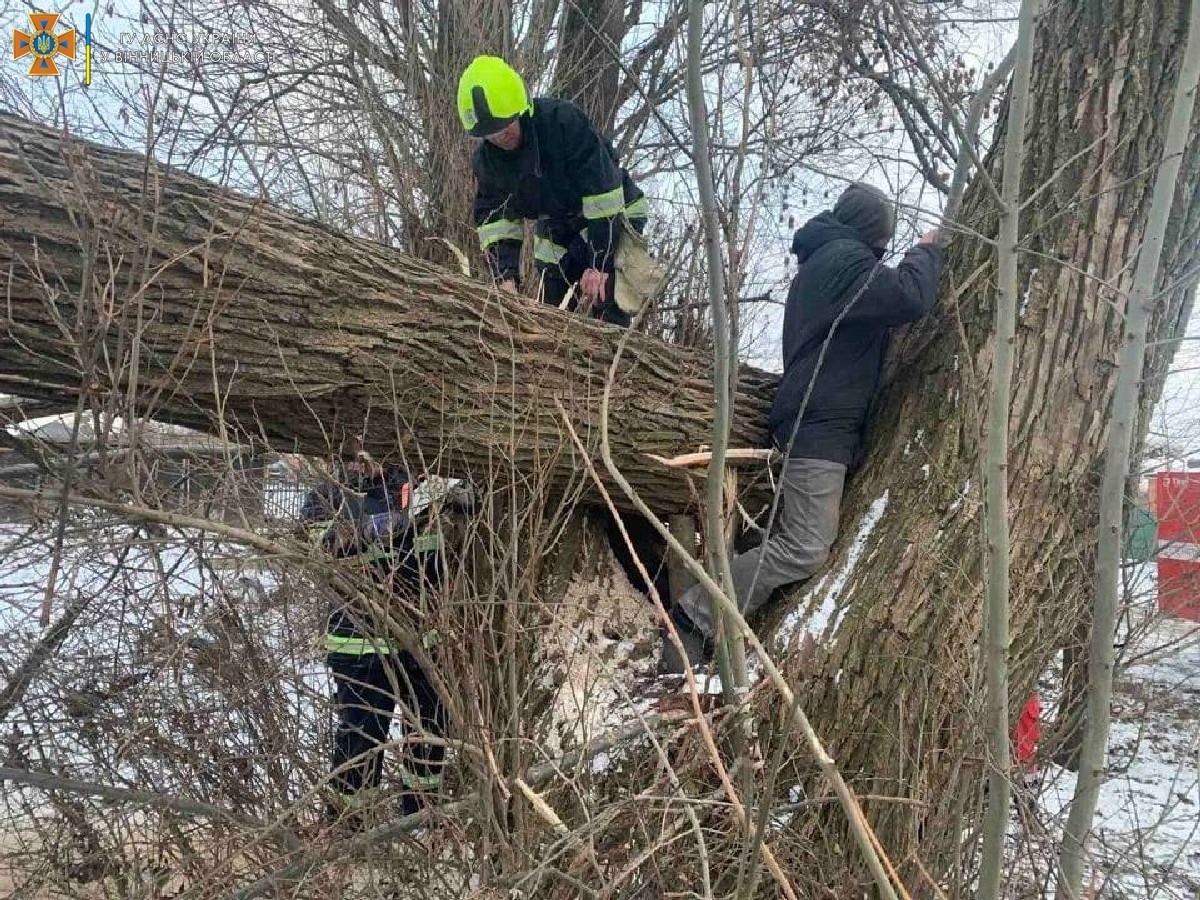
(1177, 507)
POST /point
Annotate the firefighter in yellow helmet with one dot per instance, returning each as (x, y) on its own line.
(543, 159)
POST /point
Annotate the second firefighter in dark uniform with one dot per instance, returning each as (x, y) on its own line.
(365, 514)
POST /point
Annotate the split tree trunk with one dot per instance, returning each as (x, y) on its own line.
(214, 311)
(902, 713)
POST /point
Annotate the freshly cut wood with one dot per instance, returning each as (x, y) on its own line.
(732, 457)
(224, 313)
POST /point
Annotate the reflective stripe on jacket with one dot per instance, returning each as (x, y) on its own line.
(565, 171)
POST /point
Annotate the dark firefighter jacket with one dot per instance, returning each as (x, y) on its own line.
(838, 269)
(369, 518)
(563, 170)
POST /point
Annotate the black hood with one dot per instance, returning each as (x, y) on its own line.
(868, 211)
(818, 231)
(862, 213)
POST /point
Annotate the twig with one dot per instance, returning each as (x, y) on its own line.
(48, 781)
(146, 514)
(43, 650)
(63, 505)
(967, 141)
(356, 846)
(541, 807)
(937, 889)
(979, 103)
(733, 658)
(995, 526)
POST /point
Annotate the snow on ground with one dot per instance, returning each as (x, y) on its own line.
(1148, 821)
(1146, 835)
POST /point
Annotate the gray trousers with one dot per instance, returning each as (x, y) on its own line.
(805, 528)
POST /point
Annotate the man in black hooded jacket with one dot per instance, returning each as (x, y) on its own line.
(844, 297)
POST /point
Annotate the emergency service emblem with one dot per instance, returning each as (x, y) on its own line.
(43, 44)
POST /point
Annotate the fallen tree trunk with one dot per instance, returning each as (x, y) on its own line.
(208, 309)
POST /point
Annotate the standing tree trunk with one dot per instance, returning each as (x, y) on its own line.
(426, 53)
(1124, 415)
(464, 30)
(902, 712)
(588, 66)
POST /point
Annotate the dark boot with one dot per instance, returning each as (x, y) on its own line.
(697, 648)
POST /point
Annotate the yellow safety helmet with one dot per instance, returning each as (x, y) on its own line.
(490, 95)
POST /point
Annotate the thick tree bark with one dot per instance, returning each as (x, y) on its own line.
(588, 70)
(1114, 486)
(218, 312)
(902, 712)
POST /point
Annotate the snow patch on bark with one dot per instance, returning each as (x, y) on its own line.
(828, 615)
(963, 492)
(1028, 289)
